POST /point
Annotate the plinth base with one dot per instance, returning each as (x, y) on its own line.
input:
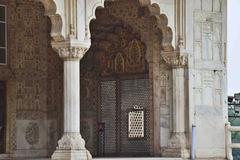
(177, 147)
(71, 155)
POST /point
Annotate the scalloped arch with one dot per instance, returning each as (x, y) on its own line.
(160, 20)
(100, 3)
(53, 9)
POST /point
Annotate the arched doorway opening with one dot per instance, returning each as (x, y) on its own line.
(121, 83)
(116, 67)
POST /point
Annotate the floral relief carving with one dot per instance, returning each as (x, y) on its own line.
(71, 141)
(117, 47)
(32, 133)
(71, 52)
(175, 59)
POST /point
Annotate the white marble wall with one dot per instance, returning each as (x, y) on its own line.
(209, 77)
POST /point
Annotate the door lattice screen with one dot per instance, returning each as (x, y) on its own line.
(118, 99)
(108, 115)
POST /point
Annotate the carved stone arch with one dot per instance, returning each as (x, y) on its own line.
(100, 4)
(94, 6)
(54, 9)
(159, 23)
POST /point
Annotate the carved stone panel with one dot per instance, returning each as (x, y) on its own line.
(32, 134)
(34, 77)
(117, 49)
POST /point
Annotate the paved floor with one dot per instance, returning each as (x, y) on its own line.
(142, 158)
(6, 157)
(101, 159)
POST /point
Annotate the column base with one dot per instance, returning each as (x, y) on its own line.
(177, 147)
(71, 155)
(71, 147)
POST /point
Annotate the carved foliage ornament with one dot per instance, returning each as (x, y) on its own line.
(71, 52)
(175, 59)
(71, 141)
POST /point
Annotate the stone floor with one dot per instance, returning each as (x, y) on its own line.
(137, 158)
(4, 158)
(100, 159)
(108, 159)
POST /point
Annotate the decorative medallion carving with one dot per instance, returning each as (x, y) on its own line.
(32, 133)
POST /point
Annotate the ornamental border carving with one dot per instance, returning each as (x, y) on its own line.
(175, 59)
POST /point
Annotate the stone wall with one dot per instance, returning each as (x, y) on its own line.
(34, 82)
(209, 76)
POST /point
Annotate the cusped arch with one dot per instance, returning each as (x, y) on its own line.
(100, 4)
(54, 9)
(152, 11)
(94, 5)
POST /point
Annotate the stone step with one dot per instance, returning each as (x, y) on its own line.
(99, 158)
(105, 158)
(137, 158)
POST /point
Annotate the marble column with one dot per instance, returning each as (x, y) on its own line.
(178, 139)
(71, 146)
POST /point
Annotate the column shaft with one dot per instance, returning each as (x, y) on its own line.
(71, 97)
(178, 101)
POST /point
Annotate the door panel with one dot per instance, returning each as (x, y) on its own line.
(134, 92)
(108, 115)
(118, 98)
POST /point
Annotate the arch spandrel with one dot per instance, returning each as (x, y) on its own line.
(54, 9)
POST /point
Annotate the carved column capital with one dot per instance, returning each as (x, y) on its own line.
(175, 59)
(70, 51)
